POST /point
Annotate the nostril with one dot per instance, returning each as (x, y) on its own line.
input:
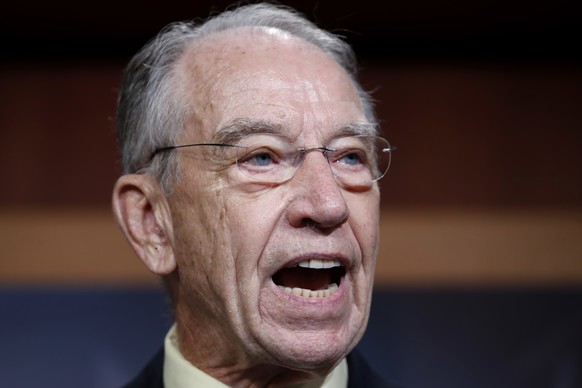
(311, 211)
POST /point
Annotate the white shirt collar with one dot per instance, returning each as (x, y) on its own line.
(180, 373)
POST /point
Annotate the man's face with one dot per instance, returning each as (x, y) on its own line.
(238, 243)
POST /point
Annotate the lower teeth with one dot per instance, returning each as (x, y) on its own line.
(332, 288)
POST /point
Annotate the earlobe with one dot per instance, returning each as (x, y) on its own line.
(143, 214)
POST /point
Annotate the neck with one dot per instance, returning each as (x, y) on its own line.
(206, 350)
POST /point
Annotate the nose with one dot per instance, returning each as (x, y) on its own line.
(317, 200)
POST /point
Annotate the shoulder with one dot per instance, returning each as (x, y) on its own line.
(151, 376)
(361, 374)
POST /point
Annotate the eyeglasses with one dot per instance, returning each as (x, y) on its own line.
(354, 160)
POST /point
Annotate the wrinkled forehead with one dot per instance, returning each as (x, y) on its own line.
(265, 74)
(238, 48)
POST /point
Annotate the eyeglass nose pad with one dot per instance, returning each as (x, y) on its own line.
(302, 154)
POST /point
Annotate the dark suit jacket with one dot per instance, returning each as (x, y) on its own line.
(359, 372)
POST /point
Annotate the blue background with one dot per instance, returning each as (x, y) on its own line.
(423, 338)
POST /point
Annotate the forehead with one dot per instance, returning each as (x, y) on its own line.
(265, 75)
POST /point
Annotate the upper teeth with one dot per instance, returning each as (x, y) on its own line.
(317, 263)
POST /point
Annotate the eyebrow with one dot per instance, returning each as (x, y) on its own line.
(356, 129)
(237, 129)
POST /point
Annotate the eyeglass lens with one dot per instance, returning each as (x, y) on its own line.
(354, 160)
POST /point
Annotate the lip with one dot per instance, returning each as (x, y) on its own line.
(332, 301)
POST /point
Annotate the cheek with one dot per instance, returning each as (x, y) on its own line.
(365, 223)
(201, 238)
(252, 219)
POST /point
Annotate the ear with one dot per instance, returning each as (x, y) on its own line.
(142, 212)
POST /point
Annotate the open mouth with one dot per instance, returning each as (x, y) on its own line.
(311, 278)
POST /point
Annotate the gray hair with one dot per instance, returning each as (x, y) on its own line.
(149, 114)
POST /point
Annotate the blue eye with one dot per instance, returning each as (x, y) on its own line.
(263, 159)
(351, 159)
(260, 158)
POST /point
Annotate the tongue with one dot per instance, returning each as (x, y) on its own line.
(311, 279)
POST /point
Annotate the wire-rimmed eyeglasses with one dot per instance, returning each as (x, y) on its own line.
(354, 160)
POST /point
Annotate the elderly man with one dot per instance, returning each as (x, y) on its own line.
(251, 164)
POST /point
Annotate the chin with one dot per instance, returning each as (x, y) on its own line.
(310, 334)
(311, 351)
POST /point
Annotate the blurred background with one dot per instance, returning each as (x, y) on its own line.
(480, 271)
